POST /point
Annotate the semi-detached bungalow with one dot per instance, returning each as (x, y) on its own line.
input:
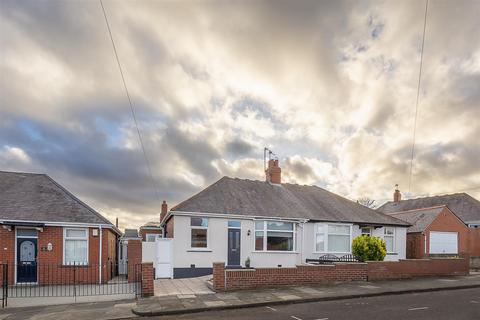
(44, 230)
(270, 224)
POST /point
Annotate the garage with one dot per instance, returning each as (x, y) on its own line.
(443, 242)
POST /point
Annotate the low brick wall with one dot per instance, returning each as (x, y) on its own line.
(147, 279)
(238, 279)
(234, 279)
(412, 268)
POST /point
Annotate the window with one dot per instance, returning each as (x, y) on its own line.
(151, 237)
(367, 231)
(234, 224)
(199, 228)
(75, 246)
(389, 237)
(333, 238)
(274, 236)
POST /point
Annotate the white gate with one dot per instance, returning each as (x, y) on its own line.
(122, 257)
(164, 258)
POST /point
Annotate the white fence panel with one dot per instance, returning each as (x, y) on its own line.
(149, 252)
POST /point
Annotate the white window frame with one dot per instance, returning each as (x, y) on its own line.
(86, 238)
(199, 227)
(265, 237)
(155, 235)
(390, 236)
(326, 234)
(370, 232)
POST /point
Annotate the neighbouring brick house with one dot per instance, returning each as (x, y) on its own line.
(270, 224)
(45, 230)
(446, 222)
(151, 230)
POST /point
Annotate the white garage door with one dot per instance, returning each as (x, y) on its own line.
(443, 242)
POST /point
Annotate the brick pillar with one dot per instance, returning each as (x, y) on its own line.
(147, 279)
(134, 256)
(219, 276)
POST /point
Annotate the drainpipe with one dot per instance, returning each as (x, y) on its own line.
(100, 259)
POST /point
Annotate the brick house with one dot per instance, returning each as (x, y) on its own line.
(434, 231)
(445, 213)
(45, 230)
(270, 224)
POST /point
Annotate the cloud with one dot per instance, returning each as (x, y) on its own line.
(329, 86)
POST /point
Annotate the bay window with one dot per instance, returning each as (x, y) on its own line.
(274, 236)
(75, 248)
(389, 238)
(199, 232)
(333, 238)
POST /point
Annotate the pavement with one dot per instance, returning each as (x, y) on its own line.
(192, 303)
(188, 286)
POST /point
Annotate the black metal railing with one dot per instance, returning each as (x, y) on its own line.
(4, 284)
(330, 258)
(75, 280)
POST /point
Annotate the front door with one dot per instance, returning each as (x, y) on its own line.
(233, 247)
(26, 259)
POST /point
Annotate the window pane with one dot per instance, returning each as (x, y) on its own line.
(277, 225)
(367, 231)
(258, 225)
(320, 242)
(338, 243)
(76, 251)
(338, 229)
(26, 232)
(259, 240)
(151, 237)
(389, 231)
(389, 244)
(234, 224)
(199, 238)
(279, 241)
(199, 222)
(76, 233)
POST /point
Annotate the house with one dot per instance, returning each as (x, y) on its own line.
(270, 224)
(434, 231)
(456, 207)
(153, 230)
(44, 230)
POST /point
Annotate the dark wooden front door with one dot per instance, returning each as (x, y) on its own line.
(233, 247)
(26, 260)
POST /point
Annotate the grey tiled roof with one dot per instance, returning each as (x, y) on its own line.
(131, 233)
(37, 197)
(262, 199)
(151, 224)
(420, 219)
(463, 205)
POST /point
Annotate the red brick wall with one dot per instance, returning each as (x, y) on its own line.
(134, 256)
(382, 270)
(7, 250)
(147, 279)
(474, 242)
(169, 228)
(271, 277)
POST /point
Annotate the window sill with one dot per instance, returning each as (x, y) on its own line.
(322, 252)
(75, 265)
(392, 254)
(277, 251)
(199, 250)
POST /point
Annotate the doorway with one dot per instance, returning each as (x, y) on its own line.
(27, 251)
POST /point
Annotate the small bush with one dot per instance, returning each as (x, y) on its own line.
(367, 248)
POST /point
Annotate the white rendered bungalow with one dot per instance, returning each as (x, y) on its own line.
(271, 224)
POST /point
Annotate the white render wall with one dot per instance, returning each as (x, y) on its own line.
(217, 239)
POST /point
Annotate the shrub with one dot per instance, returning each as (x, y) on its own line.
(367, 248)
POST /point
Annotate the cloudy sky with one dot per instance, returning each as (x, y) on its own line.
(329, 86)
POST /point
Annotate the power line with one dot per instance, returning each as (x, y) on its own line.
(418, 95)
(130, 102)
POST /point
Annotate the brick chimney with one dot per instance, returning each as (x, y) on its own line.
(164, 210)
(273, 174)
(397, 196)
